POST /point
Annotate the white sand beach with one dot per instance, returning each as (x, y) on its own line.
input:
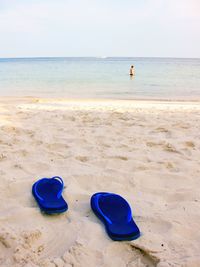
(146, 151)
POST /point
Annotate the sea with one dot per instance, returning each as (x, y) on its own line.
(101, 77)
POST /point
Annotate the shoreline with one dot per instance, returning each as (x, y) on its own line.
(98, 100)
(94, 99)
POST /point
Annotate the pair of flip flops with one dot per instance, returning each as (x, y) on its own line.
(113, 210)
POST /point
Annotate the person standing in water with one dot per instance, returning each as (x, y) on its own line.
(132, 71)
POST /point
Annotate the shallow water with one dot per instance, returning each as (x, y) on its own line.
(160, 78)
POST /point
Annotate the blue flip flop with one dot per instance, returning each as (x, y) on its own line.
(115, 212)
(48, 194)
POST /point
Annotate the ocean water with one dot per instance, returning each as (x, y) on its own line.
(155, 78)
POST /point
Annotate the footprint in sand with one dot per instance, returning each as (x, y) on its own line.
(170, 148)
(105, 145)
(57, 146)
(190, 144)
(120, 157)
(161, 130)
(152, 144)
(82, 158)
(142, 168)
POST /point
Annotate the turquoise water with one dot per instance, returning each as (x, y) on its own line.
(160, 78)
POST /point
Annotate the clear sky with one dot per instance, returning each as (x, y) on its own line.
(161, 28)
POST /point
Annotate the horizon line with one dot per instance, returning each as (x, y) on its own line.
(97, 57)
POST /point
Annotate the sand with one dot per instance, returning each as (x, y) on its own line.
(149, 152)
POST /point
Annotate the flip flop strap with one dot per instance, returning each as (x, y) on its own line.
(54, 177)
(62, 185)
(100, 211)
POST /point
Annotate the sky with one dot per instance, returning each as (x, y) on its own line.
(137, 28)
